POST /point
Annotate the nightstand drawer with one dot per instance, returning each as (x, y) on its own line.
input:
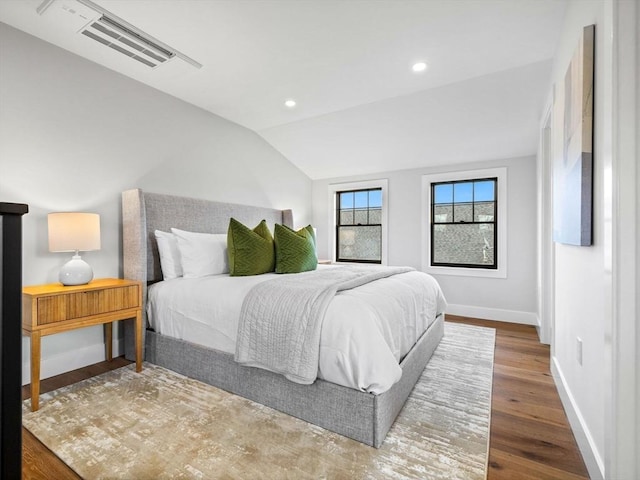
(58, 308)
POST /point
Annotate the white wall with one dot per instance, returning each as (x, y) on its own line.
(510, 299)
(597, 287)
(73, 135)
(580, 277)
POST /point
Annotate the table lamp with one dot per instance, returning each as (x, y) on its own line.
(74, 232)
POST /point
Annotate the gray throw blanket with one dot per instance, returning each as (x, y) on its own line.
(281, 319)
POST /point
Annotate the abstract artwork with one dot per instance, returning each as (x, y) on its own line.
(573, 169)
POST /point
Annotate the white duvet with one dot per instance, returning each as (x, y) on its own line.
(365, 334)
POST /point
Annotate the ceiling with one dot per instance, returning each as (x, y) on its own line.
(347, 63)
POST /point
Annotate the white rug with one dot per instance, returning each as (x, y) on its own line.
(161, 425)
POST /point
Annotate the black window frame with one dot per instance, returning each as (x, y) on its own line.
(355, 225)
(494, 222)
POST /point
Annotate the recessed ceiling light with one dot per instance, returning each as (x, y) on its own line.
(419, 67)
(290, 103)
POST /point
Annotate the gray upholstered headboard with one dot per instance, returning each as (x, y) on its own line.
(143, 213)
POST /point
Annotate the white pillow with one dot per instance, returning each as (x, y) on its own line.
(169, 255)
(202, 254)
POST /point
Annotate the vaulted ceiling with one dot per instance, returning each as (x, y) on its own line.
(347, 64)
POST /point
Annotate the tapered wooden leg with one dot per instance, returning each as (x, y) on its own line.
(108, 337)
(35, 371)
(139, 342)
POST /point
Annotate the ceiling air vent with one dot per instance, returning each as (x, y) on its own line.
(113, 34)
(96, 23)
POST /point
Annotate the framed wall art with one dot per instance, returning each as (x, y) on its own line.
(573, 169)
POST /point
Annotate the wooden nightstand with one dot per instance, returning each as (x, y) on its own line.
(54, 308)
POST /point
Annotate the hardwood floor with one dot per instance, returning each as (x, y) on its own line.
(530, 434)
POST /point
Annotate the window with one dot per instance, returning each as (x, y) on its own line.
(463, 223)
(359, 226)
(359, 221)
(464, 226)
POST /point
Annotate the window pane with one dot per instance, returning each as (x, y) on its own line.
(361, 217)
(361, 199)
(359, 243)
(443, 193)
(442, 213)
(463, 244)
(375, 199)
(375, 215)
(346, 217)
(485, 212)
(463, 192)
(462, 212)
(346, 200)
(484, 191)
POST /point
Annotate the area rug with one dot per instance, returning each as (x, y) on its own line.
(161, 425)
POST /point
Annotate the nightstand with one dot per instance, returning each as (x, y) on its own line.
(55, 308)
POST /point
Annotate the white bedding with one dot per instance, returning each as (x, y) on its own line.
(366, 330)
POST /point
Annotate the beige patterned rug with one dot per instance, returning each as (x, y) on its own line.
(161, 425)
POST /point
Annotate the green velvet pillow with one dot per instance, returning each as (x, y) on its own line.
(251, 252)
(295, 251)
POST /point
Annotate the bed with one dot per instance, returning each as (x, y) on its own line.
(361, 415)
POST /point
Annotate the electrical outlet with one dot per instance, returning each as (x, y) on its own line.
(579, 350)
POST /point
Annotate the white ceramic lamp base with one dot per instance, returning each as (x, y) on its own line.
(76, 272)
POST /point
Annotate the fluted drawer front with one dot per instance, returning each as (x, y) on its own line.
(82, 304)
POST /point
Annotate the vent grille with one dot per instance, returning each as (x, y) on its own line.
(119, 37)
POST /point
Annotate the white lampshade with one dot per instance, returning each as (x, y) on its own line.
(73, 232)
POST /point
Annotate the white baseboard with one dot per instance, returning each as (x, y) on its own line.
(500, 315)
(71, 360)
(584, 439)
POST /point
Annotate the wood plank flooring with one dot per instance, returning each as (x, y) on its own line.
(530, 434)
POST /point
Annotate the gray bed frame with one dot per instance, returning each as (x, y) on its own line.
(359, 415)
